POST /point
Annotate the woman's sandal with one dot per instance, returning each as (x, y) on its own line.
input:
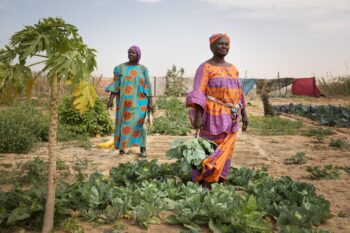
(143, 152)
(122, 152)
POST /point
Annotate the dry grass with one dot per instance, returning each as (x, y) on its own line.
(336, 87)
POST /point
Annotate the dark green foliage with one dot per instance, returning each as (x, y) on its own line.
(164, 103)
(93, 122)
(66, 134)
(339, 144)
(318, 134)
(328, 172)
(241, 177)
(175, 121)
(273, 125)
(222, 209)
(298, 158)
(21, 126)
(296, 229)
(70, 225)
(26, 207)
(290, 202)
(143, 189)
(324, 114)
(130, 173)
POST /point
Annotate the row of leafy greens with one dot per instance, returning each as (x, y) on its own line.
(329, 115)
(141, 190)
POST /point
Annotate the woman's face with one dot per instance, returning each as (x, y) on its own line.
(132, 55)
(220, 47)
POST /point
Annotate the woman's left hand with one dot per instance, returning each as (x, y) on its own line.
(150, 107)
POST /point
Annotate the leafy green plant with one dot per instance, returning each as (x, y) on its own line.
(327, 172)
(164, 103)
(298, 158)
(339, 144)
(26, 207)
(296, 229)
(70, 225)
(346, 169)
(315, 132)
(21, 126)
(142, 190)
(223, 210)
(63, 57)
(190, 152)
(95, 121)
(319, 138)
(175, 121)
(273, 125)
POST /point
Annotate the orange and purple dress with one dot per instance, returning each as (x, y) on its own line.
(222, 83)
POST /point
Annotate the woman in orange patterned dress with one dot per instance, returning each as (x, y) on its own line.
(218, 105)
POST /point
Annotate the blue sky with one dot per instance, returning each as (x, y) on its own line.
(298, 38)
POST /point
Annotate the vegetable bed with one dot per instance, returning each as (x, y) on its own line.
(327, 115)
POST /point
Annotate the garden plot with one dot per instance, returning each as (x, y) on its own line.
(252, 149)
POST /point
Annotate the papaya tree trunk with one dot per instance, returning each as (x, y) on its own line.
(51, 184)
(268, 110)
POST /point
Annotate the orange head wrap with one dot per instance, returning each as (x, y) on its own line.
(214, 38)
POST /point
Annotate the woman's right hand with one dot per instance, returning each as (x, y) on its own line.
(110, 100)
(198, 118)
(109, 104)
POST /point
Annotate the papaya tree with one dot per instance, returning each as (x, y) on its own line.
(175, 82)
(58, 52)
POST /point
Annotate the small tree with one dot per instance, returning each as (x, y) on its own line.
(64, 57)
(175, 83)
(263, 89)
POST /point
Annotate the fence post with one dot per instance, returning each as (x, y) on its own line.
(155, 86)
(279, 83)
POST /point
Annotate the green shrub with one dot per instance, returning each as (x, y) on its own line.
(298, 158)
(175, 121)
(168, 103)
(21, 126)
(95, 121)
(339, 144)
(328, 172)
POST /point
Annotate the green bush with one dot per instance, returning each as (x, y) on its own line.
(95, 121)
(339, 144)
(21, 126)
(175, 121)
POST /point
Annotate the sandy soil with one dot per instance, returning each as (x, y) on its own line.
(251, 150)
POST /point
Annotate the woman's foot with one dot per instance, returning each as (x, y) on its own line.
(121, 152)
(143, 152)
(206, 185)
(222, 181)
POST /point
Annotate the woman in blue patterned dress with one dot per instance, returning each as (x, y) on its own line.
(132, 89)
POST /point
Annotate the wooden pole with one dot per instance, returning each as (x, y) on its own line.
(155, 86)
(286, 89)
(279, 83)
